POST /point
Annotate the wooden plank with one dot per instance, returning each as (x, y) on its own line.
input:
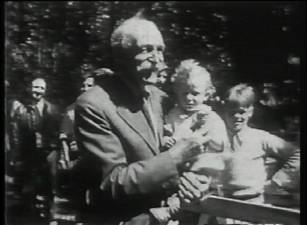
(246, 211)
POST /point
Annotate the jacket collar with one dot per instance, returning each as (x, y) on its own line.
(130, 110)
(137, 121)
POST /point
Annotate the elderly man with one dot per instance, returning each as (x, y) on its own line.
(35, 125)
(119, 130)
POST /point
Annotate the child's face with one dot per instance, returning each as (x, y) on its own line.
(191, 95)
(87, 84)
(236, 118)
(161, 78)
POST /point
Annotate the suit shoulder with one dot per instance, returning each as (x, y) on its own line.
(92, 97)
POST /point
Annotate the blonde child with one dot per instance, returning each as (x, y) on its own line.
(191, 115)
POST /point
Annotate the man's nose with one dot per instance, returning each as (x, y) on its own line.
(156, 56)
(237, 115)
(189, 97)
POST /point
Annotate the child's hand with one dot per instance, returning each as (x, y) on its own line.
(174, 204)
(169, 142)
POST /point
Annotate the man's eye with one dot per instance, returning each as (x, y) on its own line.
(160, 49)
(147, 48)
(195, 93)
(144, 50)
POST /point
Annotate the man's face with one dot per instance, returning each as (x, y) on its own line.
(148, 55)
(87, 84)
(38, 89)
(145, 54)
(191, 96)
(236, 118)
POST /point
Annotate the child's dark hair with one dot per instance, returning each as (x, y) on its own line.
(241, 95)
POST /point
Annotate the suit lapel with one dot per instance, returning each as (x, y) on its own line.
(157, 112)
(139, 124)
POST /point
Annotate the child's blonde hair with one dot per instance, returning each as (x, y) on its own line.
(240, 95)
(189, 69)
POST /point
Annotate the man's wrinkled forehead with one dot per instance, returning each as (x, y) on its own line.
(149, 36)
(137, 32)
(39, 82)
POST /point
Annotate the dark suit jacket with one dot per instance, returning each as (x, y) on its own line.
(117, 143)
(24, 142)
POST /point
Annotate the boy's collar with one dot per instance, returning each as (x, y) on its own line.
(240, 132)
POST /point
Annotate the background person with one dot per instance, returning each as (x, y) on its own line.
(250, 148)
(35, 125)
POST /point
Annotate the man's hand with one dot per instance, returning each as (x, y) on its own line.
(272, 188)
(73, 146)
(193, 187)
(188, 148)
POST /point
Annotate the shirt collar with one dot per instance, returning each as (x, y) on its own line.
(40, 106)
(241, 135)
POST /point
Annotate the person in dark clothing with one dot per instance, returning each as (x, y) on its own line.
(34, 130)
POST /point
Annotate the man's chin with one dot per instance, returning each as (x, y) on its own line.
(37, 98)
(190, 109)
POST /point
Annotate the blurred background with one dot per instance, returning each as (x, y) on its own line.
(256, 42)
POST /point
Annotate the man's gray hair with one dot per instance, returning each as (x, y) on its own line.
(132, 31)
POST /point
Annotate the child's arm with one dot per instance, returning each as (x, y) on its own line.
(210, 124)
(289, 155)
(168, 140)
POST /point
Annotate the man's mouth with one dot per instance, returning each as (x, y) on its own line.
(37, 94)
(238, 122)
(189, 106)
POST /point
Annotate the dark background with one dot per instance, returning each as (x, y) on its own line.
(255, 42)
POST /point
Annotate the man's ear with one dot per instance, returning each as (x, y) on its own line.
(250, 111)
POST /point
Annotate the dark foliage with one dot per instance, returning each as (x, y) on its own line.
(239, 42)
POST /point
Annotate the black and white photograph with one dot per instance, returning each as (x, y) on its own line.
(153, 112)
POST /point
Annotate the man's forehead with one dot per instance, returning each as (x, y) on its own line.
(39, 82)
(152, 38)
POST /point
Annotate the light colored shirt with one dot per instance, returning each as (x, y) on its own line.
(40, 107)
(249, 150)
(204, 121)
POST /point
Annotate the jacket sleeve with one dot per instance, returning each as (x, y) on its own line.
(67, 126)
(14, 130)
(94, 134)
(288, 155)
